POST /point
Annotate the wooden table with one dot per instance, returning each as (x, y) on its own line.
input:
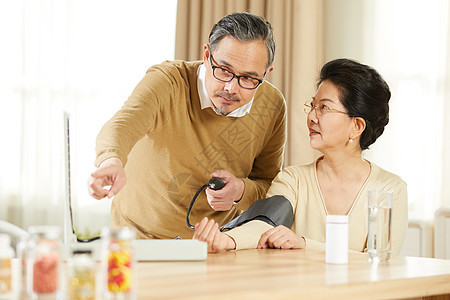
(289, 274)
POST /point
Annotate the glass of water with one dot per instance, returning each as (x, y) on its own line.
(380, 219)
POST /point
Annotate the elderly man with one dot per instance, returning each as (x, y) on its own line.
(187, 121)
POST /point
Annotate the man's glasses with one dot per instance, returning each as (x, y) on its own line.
(321, 109)
(224, 75)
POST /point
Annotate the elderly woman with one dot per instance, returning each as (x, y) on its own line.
(347, 114)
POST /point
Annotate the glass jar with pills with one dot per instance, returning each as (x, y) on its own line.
(44, 262)
(119, 263)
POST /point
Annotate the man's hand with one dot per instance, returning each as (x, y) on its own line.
(208, 231)
(281, 237)
(222, 200)
(109, 173)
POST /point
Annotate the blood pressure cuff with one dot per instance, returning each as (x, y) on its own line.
(275, 210)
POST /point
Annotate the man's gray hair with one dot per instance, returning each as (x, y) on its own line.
(245, 27)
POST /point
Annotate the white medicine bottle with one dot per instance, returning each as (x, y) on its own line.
(336, 241)
(6, 256)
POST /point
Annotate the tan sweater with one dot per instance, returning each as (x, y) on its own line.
(170, 146)
(300, 186)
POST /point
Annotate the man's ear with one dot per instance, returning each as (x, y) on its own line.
(206, 53)
(270, 69)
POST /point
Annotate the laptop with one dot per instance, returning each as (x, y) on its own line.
(145, 250)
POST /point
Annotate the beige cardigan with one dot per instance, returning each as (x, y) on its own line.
(300, 186)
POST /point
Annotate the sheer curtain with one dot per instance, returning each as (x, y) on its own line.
(83, 57)
(408, 43)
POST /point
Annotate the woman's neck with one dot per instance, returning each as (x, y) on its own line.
(343, 166)
(341, 179)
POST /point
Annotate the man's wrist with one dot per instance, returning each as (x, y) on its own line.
(114, 160)
(241, 193)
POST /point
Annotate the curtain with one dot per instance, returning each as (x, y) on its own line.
(386, 35)
(68, 56)
(414, 59)
(297, 27)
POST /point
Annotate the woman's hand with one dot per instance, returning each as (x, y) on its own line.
(208, 231)
(281, 237)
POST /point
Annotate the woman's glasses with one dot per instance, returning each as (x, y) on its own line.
(321, 109)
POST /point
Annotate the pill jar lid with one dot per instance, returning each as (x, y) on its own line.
(119, 233)
(337, 219)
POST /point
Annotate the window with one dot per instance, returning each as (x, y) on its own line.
(408, 43)
(84, 57)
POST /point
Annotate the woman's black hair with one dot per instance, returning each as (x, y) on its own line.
(364, 93)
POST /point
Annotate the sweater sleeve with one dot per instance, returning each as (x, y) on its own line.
(144, 111)
(247, 235)
(286, 184)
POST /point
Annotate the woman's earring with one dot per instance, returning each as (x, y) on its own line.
(350, 140)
